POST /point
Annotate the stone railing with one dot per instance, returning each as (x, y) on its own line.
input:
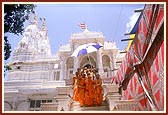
(62, 100)
(124, 105)
(106, 80)
(113, 98)
(49, 106)
(68, 81)
(111, 95)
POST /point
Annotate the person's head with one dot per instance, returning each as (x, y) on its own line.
(93, 70)
(89, 76)
(76, 73)
(96, 70)
(85, 68)
(78, 69)
(97, 76)
(84, 75)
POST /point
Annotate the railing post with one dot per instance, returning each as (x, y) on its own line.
(112, 95)
(63, 98)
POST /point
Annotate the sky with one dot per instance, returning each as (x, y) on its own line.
(113, 20)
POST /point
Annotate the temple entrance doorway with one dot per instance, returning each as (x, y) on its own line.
(88, 66)
(85, 62)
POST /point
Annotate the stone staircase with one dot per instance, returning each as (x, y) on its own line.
(75, 106)
(112, 101)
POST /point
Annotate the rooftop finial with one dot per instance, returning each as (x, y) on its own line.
(44, 24)
(34, 20)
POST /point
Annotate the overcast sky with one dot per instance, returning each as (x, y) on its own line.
(113, 20)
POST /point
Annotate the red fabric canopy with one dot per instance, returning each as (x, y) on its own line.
(145, 60)
(149, 25)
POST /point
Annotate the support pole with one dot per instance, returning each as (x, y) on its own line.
(89, 60)
(146, 92)
(127, 39)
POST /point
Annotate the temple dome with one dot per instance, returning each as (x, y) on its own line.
(34, 43)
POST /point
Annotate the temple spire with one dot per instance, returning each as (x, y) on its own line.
(34, 20)
(44, 24)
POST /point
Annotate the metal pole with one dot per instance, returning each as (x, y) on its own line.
(89, 61)
(151, 103)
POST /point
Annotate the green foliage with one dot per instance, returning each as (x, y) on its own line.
(8, 67)
(7, 48)
(14, 17)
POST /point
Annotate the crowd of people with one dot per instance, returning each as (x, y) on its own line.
(87, 87)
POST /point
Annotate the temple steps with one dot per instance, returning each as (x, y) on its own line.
(75, 106)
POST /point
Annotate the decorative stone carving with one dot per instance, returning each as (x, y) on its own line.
(112, 95)
(63, 98)
(50, 106)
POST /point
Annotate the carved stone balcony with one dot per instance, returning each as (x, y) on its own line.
(124, 105)
(49, 106)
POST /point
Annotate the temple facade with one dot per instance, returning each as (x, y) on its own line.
(38, 77)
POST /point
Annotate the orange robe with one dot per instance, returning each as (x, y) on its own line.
(81, 91)
(98, 92)
(89, 92)
(75, 89)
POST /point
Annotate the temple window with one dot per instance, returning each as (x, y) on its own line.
(35, 104)
(56, 75)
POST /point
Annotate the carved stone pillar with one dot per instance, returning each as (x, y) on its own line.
(113, 57)
(63, 99)
(62, 70)
(112, 95)
(75, 64)
(113, 63)
(100, 65)
(14, 103)
(65, 71)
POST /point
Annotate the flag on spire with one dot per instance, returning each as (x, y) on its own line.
(82, 26)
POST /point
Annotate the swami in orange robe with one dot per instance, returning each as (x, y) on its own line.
(75, 87)
(75, 84)
(98, 90)
(89, 92)
(81, 90)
